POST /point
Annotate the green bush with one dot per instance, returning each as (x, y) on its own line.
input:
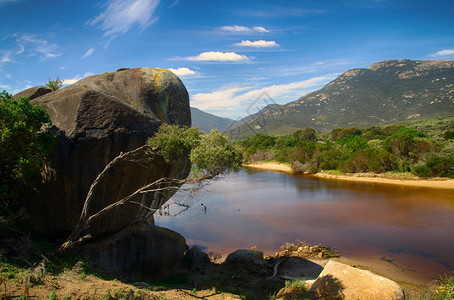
(210, 155)
(422, 171)
(448, 135)
(339, 133)
(373, 133)
(402, 141)
(54, 84)
(353, 143)
(307, 134)
(175, 142)
(441, 166)
(215, 155)
(25, 145)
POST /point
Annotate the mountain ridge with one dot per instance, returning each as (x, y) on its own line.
(386, 92)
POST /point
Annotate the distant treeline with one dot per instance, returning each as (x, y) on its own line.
(374, 149)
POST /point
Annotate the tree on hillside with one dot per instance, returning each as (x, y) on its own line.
(210, 156)
(54, 84)
(24, 146)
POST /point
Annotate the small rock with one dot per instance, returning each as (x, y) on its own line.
(247, 260)
(196, 258)
(340, 281)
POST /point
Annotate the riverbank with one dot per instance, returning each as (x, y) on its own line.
(388, 178)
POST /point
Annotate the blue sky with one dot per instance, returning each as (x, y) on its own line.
(233, 56)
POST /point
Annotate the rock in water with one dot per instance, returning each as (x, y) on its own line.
(96, 119)
(141, 252)
(340, 281)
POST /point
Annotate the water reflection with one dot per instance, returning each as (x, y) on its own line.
(266, 209)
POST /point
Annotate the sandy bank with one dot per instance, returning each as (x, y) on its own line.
(272, 166)
(362, 177)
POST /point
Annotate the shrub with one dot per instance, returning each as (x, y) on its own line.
(54, 84)
(210, 155)
(174, 141)
(24, 147)
(353, 143)
(448, 135)
(307, 134)
(422, 171)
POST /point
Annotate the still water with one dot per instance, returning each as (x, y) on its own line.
(413, 227)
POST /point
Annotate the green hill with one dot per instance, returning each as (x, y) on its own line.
(206, 122)
(386, 92)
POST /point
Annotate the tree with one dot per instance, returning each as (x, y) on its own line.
(24, 146)
(210, 155)
(54, 84)
(448, 135)
(307, 134)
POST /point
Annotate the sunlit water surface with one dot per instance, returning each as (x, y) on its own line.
(412, 226)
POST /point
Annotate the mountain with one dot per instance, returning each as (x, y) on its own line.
(207, 122)
(386, 92)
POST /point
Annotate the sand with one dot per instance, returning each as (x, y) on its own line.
(442, 183)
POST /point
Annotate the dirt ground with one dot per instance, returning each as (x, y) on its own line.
(215, 280)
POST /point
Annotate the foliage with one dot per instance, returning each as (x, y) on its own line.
(353, 143)
(448, 135)
(54, 84)
(374, 149)
(373, 133)
(402, 141)
(308, 134)
(339, 133)
(175, 142)
(24, 146)
(445, 289)
(215, 155)
(210, 154)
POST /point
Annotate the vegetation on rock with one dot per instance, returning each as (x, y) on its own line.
(54, 84)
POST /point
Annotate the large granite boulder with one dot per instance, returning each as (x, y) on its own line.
(33, 92)
(96, 119)
(123, 176)
(340, 281)
(140, 252)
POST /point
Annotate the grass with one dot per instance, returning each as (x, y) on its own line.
(446, 288)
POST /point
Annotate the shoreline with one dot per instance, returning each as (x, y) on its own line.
(439, 183)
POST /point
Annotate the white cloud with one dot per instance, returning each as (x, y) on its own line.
(258, 44)
(244, 29)
(88, 53)
(443, 53)
(233, 97)
(6, 57)
(182, 71)
(75, 79)
(260, 29)
(71, 80)
(122, 15)
(219, 56)
(38, 46)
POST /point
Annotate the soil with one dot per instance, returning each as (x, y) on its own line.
(215, 280)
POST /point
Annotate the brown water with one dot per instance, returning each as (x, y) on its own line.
(414, 227)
